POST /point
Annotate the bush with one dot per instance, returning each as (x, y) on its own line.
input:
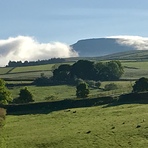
(91, 83)
(25, 96)
(140, 85)
(98, 84)
(5, 95)
(111, 86)
(82, 90)
(52, 97)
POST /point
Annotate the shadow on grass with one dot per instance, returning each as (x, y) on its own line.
(131, 98)
(47, 107)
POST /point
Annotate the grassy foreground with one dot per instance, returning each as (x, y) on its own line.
(98, 127)
(2, 122)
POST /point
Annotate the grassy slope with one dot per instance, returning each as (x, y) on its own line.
(2, 122)
(134, 70)
(96, 127)
(61, 92)
(68, 129)
(127, 55)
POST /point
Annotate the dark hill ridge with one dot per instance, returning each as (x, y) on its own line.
(100, 47)
(127, 55)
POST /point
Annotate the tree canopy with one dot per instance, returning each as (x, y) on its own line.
(5, 95)
(88, 70)
(141, 85)
(82, 90)
(25, 96)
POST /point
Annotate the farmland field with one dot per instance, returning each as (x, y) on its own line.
(60, 92)
(119, 126)
(97, 127)
(135, 70)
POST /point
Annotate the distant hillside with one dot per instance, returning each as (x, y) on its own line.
(99, 47)
(127, 55)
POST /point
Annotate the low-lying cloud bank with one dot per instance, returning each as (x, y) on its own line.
(24, 48)
(139, 43)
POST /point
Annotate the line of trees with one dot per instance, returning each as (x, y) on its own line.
(88, 70)
(32, 63)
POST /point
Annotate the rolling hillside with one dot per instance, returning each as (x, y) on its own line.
(127, 55)
(105, 46)
(99, 47)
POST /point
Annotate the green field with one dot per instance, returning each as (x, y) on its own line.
(133, 70)
(120, 126)
(60, 92)
(97, 127)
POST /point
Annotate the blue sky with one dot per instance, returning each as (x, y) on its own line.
(71, 20)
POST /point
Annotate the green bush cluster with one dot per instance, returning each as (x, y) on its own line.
(25, 96)
(111, 86)
(82, 90)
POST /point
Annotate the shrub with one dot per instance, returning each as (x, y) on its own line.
(82, 90)
(25, 96)
(91, 83)
(140, 85)
(5, 95)
(98, 84)
(111, 86)
(52, 97)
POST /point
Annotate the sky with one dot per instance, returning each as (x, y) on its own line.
(64, 22)
(71, 20)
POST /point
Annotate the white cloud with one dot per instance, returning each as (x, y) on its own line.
(27, 48)
(138, 42)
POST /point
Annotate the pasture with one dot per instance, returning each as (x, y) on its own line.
(97, 127)
(117, 126)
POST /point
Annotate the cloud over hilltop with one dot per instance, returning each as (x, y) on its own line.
(139, 43)
(27, 48)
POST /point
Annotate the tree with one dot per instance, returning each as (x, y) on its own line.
(112, 70)
(83, 69)
(115, 70)
(62, 73)
(5, 95)
(141, 85)
(25, 96)
(82, 90)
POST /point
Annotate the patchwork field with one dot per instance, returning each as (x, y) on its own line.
(117, 126)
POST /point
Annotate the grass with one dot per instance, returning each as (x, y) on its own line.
(5, 70)
(2, 122)
(61, 92)
(135, 70)
(27, 75)
(97, 127)
(47, 67)
(2, 116)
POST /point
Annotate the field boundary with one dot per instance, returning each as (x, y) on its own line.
(47, 107)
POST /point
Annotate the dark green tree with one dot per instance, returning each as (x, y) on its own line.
(62, 73)
(25, 96)
(82, 90)
(112, 70)
(141, 85)
(83, 69)
(5, 95)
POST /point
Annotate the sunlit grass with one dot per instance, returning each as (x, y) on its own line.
(83, 127)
